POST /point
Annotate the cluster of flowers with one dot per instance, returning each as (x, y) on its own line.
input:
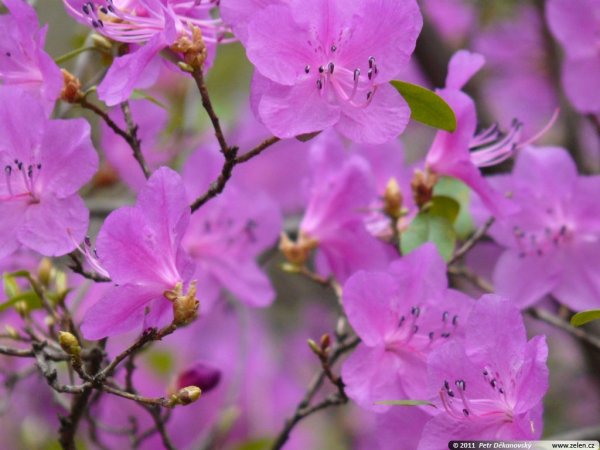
(335, 192)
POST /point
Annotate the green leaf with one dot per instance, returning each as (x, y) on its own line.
(584, 317)
(456, 189)
(444, 207)
(308, 136)
(427, 227)
(30, 298)
(11, 288)
(138, 94)
(426, 106)
(405, 403)
(256, 444)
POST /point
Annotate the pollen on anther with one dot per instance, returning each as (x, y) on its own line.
(331, 67)
(307, 69)
(319, 84)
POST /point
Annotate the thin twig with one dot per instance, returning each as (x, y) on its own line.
(470, 243)
(77, 267)
(580, 333)
(257, 150)
(198, 76)
(303, 409)
(134, 141)
(159, 401)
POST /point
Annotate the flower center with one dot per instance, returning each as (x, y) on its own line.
(346, 85)
(541, 242)
(20, 181)
(418, 335)
(461, 406)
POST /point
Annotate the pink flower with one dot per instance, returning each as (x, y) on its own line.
(140, 247)
(450, 153)
(576, 25)
(491, 385)
(45, 162)
(553, 242)
(151, 24)
(335, 215)
(401, 315)
(238, 13)
(227, 235)
(23, 61)
(321, 64)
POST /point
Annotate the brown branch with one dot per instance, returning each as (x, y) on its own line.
(477, 281)
(18, 352)
(198, 76)
(160, 401)
(304, 409)
(134, 141)
(257, 150)
(580, 333)
(147, 336)
(470, 243)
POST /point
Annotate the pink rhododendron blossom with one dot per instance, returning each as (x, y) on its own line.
(451, 155)
(455, 20)
(401, 315)
(43, 170)
(140, 247)
(490, 385)
(227, 235)
(576, 25)
(153, 25)
(335, 216)
(553, 242)
(23, 61)
(328, 63)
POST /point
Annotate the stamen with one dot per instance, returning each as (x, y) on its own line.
(307, 69)
(333, 48)
(331, 67)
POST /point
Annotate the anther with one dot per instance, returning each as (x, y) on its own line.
(319, 84)
(356, 74)
(445, 315)
(371, 62)
(104, 10)
(415, 311)
(461, 384)
(493, 383)
(370, 74)
(307, 69)
(455, 320)
(445, 335)
(8, 170)
(85, 9)
(402, 319)
(466, 412)
(333, 48)
(331, 67)
(321, 69)
(431, 335)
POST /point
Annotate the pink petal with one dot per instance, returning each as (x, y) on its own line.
(382, 120)
(462, 67)
(580, 81)
(12, 213)
(53, 226)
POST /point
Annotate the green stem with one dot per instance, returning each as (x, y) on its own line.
(72, 54)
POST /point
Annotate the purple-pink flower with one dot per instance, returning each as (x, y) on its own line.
(576, 25)
(401, 315)
(149, 25)
(44, 163)
(227, 235)
(327, 63)
(553, 242)
(490, 385)
(140, 248)
(334, 220)
(23, 61)
(450, 153)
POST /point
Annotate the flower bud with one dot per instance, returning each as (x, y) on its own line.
(325, 341)
(193, 49)
(11, 331)
(71, 91)
(184, 396)
(392, 199)
(297, 253)
(314, 347)
(45, 271)
(185, 306)
(69, 343)
(203, 375)
(422, 186)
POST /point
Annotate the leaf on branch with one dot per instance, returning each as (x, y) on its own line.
(457, 190)
(584, 317)
(428, 227)
(30, 298)
(426, 106)
(405, 403)
(444, 206)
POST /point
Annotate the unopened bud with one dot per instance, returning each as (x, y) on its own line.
(297, 253)
(392, 199)
(422, 186)
(69, 343)
(205, 376)
(71, 91)
(101, 42)
(314, 347)
(185, 67)
(45, 271)
(340, 327)
(11, 332)
(185, 396)
(325, 341)
(185, 306)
